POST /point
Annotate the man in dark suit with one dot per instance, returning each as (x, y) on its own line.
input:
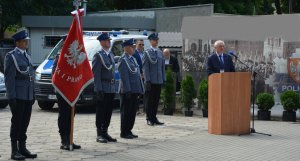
(218, 61)
(18, 76)
(138, 55)
(173, 63)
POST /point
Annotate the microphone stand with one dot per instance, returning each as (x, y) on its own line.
(254, 73)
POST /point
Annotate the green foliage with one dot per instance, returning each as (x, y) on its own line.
(245, 7)
(168, 91)
(188, 92)
(290, 100)
(265, 101)
(203, 93)
(285, 6)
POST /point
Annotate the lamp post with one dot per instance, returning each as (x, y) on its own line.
(290, 6)
(84, 6)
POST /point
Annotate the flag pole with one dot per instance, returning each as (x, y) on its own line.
(76, 3)
(72, 127)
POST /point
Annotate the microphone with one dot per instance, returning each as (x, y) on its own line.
(231, 53)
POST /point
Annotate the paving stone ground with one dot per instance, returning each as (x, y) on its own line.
(181, 139)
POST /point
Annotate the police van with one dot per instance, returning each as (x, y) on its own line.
(44, 91)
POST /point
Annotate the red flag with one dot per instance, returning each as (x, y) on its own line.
(73, 72)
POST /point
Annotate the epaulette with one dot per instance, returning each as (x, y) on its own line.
(11, 52)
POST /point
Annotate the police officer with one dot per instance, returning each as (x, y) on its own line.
(18, 75)
(138, 55)
(103, 67)
(131, 85)
(64, 116)
(154, 75)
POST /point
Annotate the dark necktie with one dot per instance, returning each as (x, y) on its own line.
(131, 59)
(24, 53)
(109, 58)
(221, 61)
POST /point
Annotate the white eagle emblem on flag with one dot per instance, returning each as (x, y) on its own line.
(75, 56)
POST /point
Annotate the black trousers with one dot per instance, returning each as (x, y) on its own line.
(128, 112)
(152, 100)
(20, 120)
(64, 119)
(104, 110)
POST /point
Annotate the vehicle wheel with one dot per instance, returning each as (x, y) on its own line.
(3, 104)
(45, 105)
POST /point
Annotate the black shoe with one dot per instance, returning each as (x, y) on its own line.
(158, 123)
(108, 137)
(150, 123)
(75, 146)
(101, 139)
(134, 136)
(17, 156)
(26, 153)
(65, 146)
(128, 136)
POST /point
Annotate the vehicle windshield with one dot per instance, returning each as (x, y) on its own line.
(91, 47)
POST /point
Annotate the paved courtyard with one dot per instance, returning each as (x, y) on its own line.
(181, 139)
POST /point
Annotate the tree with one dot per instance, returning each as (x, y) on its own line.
(278, 6)
(246, 7)
(10, 14)
(11, 11)
(50, 8)
(285, 6)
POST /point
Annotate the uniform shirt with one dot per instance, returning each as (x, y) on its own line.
(18, 85)
(104, 78)
(130, 80)
(154, 72)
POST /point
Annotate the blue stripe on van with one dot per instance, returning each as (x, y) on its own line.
(48, 65)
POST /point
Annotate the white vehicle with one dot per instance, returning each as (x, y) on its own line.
(44, 91)
(3, 98)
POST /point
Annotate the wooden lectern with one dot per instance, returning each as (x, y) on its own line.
(229, 97)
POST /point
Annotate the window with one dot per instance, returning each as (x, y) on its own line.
(117, 48)
(51, 41)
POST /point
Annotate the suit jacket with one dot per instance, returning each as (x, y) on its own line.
(154, 69)
(136, 55)
(214, 64)
(104, 78)
(18, 85)
(130, 81)
(174, 63)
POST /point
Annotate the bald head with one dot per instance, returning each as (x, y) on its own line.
(166, 53)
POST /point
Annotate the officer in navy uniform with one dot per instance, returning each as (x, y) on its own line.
(103, 67)
(19, 75)
(64, 116)
(154, 75)
(131, 85)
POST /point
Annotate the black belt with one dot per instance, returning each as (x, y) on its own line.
(108, 80)
(25, 78)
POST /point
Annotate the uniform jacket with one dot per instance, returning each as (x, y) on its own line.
(136, 55)
(214, 64)
(130, 75)
(104, 78)
(18, 85)
(154, 66)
